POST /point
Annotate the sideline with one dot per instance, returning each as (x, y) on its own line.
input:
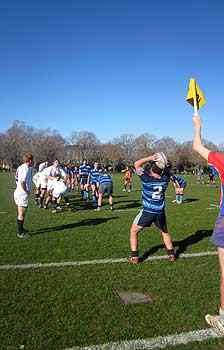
(97, 262)
(155, 343)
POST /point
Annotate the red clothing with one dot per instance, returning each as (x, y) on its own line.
(216, 159)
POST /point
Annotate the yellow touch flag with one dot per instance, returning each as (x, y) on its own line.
(195, 93)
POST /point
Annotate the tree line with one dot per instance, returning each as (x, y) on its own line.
(47, 144)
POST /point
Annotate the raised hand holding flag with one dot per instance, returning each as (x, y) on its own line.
(195, 96)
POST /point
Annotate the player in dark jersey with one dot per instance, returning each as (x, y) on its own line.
(105, 184)
(179, 184)
(154, 184)
(84, 171)
(215, 159)
(93, 181)
(212, 174)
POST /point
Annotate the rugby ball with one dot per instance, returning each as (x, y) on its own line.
(161, 161)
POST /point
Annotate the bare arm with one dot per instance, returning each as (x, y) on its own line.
(138, 164)
(197, 144)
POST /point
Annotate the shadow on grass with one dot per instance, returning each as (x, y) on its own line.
(180, 245)
(190, 200)
(85, 222)
(133, 204)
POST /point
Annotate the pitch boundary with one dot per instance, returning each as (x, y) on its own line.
(97, 262)
(155, 343)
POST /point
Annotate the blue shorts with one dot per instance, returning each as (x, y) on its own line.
(146, 219)
(218, 233)
(93, 182)
(183, 185)
(83, 180)
(106, 189)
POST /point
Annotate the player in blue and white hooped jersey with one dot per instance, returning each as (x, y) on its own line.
(105, 184)
(179, 184)
(154, 183)
(93, 181)
(84, 171)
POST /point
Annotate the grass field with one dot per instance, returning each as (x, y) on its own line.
(62, 307)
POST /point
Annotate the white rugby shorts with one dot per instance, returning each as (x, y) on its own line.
(59, 188)
(21, 199)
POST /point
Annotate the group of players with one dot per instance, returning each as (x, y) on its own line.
(56, 181)
(53, 181)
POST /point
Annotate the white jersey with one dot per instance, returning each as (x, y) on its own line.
(24, 175)
(54, 171)
(42, 166)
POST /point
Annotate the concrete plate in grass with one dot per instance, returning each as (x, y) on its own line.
(130, 297)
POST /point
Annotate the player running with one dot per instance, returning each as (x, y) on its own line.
(154, 184)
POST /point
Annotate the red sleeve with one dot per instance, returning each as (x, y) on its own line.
(216, 159)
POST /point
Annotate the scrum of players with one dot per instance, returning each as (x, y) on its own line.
(55, 182)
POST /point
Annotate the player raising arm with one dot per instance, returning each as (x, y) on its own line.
(154, 184)
(216, 159)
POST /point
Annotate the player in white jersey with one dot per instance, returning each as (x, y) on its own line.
(40, 181)
(23, 189)
(53, 172)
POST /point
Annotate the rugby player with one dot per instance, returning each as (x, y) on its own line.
(84, 171)
(53, 172)
(40, 182)
(21, 194)
(105, 184)
(127, 179)
(179, 184)
(154, 184)
(93, 181)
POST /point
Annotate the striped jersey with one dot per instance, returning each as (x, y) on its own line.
(153, 192)
(105, 179)
(84, 170)
(179, 179)
(94, 175)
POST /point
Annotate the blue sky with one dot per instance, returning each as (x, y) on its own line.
(111, 67)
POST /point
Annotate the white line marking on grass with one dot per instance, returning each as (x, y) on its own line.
(96, 262)
(3, 212)
(154, 343)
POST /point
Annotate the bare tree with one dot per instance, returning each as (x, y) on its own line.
(126, 143)
(86, 145)
(44, 144)
(143, 145)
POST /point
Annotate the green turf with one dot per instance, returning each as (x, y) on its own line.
(57, 308)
